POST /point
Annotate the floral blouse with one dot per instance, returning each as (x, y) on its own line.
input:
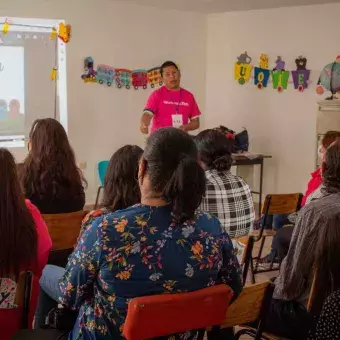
(141, 251)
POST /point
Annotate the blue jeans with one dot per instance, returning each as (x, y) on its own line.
(275, 221)
(49, 293)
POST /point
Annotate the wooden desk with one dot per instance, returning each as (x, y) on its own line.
(241, 160)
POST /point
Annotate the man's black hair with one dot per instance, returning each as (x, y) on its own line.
(168, 64)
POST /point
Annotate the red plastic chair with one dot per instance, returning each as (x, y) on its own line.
(160, 315)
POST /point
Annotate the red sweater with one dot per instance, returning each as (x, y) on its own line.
(10, 318)
(312, 185)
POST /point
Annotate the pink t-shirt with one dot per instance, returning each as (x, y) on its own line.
(164, 103)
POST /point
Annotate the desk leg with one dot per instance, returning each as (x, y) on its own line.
(261, 184)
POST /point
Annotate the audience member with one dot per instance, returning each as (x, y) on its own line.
(161, 246)
(281, 241)
(288, 316)
(227, 196)
(50, 176)
(121, 190)
(24, 243)
(328, 326)
(326, 300)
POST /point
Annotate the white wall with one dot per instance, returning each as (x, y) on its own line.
(282, 125)
(103, 119)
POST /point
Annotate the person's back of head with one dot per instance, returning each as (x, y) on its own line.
(214, 150)
(50, 164)
(121, 188)
(170, 166)
(18, 241)
(331, 168)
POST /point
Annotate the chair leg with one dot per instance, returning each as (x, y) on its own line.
(260, 253)
(252, 271)
(97, 198)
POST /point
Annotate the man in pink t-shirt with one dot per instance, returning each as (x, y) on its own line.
(170, 105)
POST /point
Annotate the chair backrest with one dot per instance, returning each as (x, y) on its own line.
(276, 204)
(102, 168)
(15, 301)
(251, 304)
(160, 315)
(64, 228)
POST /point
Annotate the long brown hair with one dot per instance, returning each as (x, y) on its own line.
(18, 241)
(50, 163)
(121, 189)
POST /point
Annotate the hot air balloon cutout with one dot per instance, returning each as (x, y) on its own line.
(279, 75)
(301, 74)
(261, 73)
(243, 68)
(330, 79)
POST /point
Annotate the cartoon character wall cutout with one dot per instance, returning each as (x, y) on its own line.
(279, 75)
(261, 73)
(243, 68)
(301, 74)
(330, 79)
(89, 75)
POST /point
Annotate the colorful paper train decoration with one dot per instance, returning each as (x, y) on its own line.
(121, 77)
(279, 75)
(330, 78)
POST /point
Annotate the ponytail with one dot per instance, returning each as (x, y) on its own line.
(185, 188)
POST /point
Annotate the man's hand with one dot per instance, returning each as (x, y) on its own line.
(144, 129)
(183, 128)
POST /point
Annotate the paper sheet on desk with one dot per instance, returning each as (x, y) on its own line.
(247, 155)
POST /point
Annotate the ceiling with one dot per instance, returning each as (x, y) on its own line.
(216, 6)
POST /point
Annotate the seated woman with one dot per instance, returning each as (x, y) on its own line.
(309, 250)
(227, 196)
(121, 190)
(24, 243)
(49, 175)
(281, 241)
(159, 247)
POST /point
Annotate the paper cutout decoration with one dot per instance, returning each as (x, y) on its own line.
(89, 74)
(123, 78)
(5, 28)
(264, 61)
(330, 78)
(279, 75)
(53, 34)
(301, 74)
(261, 74)
(242, 69)
(64, 32)
(139, 79)
(54, 74)
(154, 77)
(105, 75)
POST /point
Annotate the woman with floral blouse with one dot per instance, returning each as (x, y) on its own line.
(164, 245)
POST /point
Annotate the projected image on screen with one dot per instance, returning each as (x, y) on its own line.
(12, 91)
